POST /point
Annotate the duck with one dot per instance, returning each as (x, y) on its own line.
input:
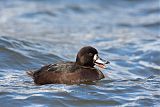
(81, 71)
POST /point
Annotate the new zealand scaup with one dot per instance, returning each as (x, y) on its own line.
(81, 71)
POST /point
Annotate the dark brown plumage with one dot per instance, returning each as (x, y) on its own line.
(81, 71)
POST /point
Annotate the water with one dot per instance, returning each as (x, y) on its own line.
(38, 32)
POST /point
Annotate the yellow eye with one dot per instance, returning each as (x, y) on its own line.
(90, 54)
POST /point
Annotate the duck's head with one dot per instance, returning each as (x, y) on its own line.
(88, 56)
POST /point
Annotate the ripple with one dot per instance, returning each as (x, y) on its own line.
(37, 32)
(39, 13)
(23, 53)
(154, 24)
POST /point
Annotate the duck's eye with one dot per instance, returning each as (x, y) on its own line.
(90, 54)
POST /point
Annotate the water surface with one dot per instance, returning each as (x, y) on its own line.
(38, 32)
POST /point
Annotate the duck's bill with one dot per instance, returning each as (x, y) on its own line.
(99, 62)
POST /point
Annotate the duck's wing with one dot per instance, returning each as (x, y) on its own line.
(58, 67)
(61, 67)
(54, 68)
(31, 73)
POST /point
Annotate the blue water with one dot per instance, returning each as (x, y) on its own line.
(38, 32)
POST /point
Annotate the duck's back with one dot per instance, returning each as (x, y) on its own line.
(66, 73)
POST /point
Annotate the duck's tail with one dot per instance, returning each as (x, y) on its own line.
(30, 73)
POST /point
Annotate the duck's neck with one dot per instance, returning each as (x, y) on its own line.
(84, 66)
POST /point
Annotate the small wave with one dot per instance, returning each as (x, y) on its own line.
(21, 55)
(153, 10)
(32, 15)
